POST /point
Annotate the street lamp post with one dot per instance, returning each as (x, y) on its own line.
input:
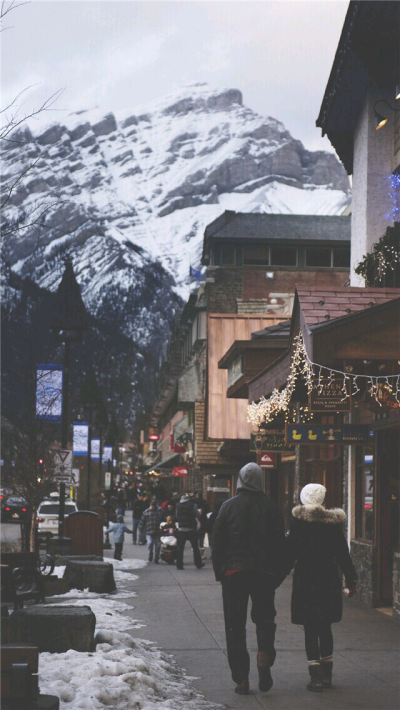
(91, 401)
(68, 323)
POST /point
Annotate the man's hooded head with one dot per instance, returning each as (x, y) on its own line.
(250, 478)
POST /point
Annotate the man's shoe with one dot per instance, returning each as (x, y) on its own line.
(150, 559)
(156, 562)
(315, 683)
(178, 567)
(265, 681)
(243, 687)
(201, 566)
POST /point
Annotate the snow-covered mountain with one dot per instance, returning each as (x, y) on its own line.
(129, 196)
(139, 187)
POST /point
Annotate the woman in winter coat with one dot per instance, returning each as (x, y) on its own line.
(318, 548)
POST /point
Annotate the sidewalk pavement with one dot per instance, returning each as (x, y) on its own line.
(183, 614)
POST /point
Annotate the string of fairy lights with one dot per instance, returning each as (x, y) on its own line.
(313, 374)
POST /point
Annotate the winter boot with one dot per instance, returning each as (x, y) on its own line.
(326, 667)
(265, 681)
(243, 687)
(315, 683)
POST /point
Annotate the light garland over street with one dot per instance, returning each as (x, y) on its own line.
(267, 409)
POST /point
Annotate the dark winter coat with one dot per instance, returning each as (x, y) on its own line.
(138, 508)
(317, 546)
(187, 514)
(248, 535)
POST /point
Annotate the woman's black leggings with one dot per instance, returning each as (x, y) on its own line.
(319, 640)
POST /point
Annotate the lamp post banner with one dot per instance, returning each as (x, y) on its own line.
(107, 454)
(95, 450)
(80, 438)
(49, 382)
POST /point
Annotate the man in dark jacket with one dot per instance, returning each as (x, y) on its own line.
(150, 522)
(248, 559)
(187, 516)
(138, 508)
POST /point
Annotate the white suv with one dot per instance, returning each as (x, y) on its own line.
(47, 514)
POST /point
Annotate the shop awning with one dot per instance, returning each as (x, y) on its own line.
(167, 464)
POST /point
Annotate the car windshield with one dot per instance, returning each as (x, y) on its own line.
(54, 509)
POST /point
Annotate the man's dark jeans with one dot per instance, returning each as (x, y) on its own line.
(190, 535)
(236, 590)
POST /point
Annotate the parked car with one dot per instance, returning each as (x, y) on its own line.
(47, 514)
(14, 508)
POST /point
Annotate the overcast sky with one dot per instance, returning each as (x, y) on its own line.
(126, 52)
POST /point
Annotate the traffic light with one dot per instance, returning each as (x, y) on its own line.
(40, 462)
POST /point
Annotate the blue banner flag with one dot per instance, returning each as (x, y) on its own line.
(95, 450)
(80, 439)
(49, 381)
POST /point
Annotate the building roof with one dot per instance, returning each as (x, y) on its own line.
(281, 330)
(367, 55)
(276, 228)
(322, 305)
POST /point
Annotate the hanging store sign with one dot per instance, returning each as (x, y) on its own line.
(330, 395)
(49, 381)
(326, 434)
(383, 397)
(80, 438)
(95, 450)
(265, 442)
(180, 471)
(267, 460)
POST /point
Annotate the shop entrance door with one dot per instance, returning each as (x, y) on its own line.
(325, 467)
(388, 471)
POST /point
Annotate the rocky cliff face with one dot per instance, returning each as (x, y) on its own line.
(129, 196)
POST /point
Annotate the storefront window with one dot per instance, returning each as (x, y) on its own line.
(365, 493)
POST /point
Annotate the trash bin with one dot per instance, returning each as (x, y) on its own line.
(60, 546)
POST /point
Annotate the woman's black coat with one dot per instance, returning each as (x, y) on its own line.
(317, 546)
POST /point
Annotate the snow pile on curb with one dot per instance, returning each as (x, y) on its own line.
(123, 673)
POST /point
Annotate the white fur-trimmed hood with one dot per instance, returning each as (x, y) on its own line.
(318, 514)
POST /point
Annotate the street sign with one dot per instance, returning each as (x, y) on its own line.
(326, 434)
(267, 460)
(63, 466)
(330, 395)
(107, 480)
(267, 441)
(75, 477)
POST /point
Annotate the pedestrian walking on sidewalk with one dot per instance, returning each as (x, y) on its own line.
(150, 524)
(138, 508)
(317, 546)
(187, 516)
(118, 529)
(248, 558)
